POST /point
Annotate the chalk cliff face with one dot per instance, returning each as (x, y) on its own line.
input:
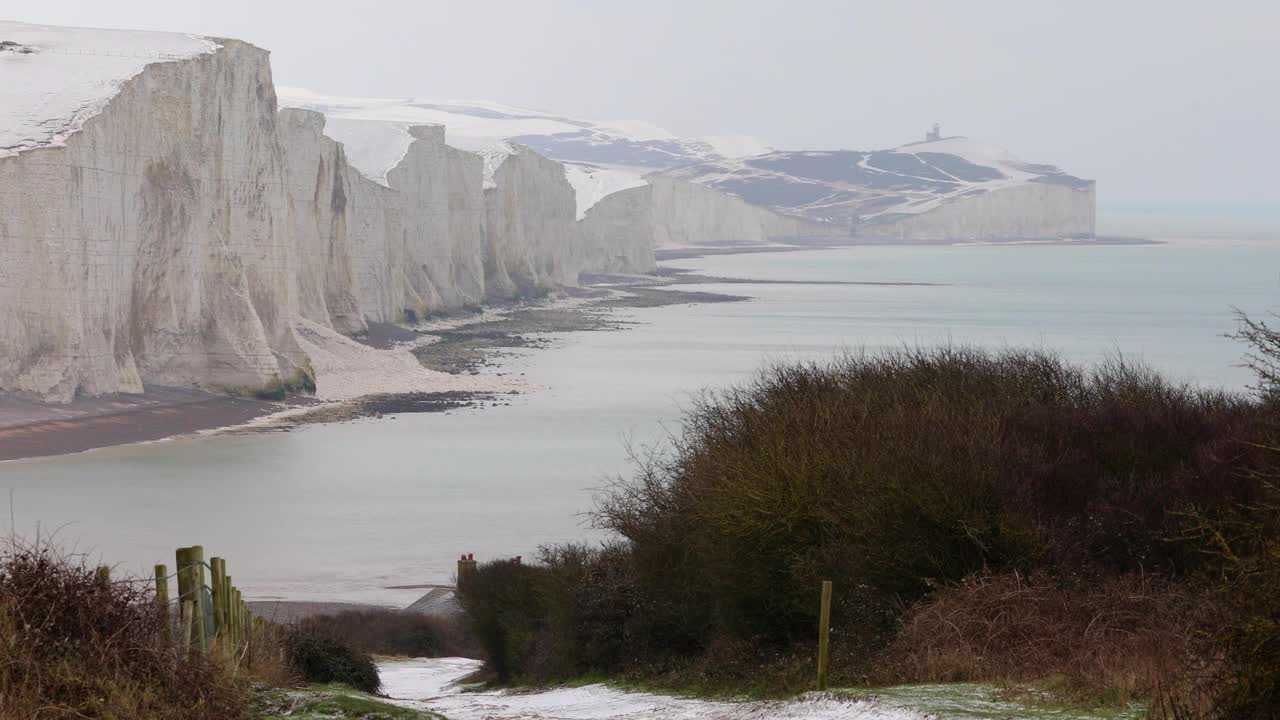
(513, 235)
(1028, 210)
(424, 262)
(430, 233)
(416, 219)
(620, 232)
(530, 241)
(316, 202)
(150, 244)
(686, 214)
(464, 172)
(617, 233)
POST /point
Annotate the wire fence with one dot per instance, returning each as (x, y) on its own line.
(101, 52)
(208, 614)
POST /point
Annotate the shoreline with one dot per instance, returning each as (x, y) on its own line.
(159, 413)
(830, 243)
(442, 364)
(290, 611)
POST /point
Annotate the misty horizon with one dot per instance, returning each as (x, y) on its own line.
(1158, 102)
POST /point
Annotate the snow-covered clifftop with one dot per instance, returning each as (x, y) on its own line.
(56, 78)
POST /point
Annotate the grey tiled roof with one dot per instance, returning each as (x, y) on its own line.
(439, 601)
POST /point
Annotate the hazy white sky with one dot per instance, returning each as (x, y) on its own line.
(1161, 102)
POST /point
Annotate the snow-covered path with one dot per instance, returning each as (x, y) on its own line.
(427, 684)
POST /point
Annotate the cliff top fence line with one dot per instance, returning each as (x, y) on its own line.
(100, 52)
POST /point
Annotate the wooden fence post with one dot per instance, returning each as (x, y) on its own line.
(232, 623)
(226, 610)
(238, 605)
(202, 606)
(188, 612)
(236, 629)
(252, 638)
(181, 557)
(162, 600)
(228, 629)
(216, 579)
(824, 634)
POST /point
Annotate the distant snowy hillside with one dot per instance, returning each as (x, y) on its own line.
(601, 157)
(472, 124)
(877, 187)
(942, 189)
(52, 79)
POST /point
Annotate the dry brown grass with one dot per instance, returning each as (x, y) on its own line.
(265, 659)
(1119, 638)
(72, 646)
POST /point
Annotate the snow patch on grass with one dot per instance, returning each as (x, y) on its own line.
(431, 684)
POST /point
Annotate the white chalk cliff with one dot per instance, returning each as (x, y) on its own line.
(162, 223)
(143, 237)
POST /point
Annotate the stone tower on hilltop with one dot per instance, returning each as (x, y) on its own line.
(934, 134)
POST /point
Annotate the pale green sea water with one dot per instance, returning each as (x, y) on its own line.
(337, 512)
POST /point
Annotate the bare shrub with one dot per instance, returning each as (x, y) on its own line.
(74, 646)
(574, 612)
(1238, 677)
(893, 474)
(321, 659)
(1263, 356)
(506, 613)
(395, 632)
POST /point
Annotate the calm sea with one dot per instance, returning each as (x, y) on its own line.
(339, 512)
